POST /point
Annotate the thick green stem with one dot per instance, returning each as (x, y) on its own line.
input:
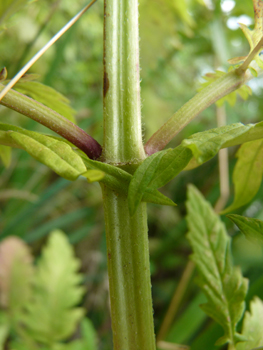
(122, 105)
(127, 237)
(129, 274)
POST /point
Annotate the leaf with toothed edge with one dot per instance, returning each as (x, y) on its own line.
(222, 283)
(252, 326)
(56, 272)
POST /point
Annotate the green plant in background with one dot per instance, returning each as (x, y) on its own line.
(40, 301)
(130, 175)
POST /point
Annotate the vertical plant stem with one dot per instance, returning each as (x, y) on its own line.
(127, 237)
(129, 274)
(122, 105)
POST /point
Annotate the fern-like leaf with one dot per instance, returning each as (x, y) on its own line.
(52, 314)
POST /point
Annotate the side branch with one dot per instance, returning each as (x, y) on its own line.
(52, 120)
(202, 100)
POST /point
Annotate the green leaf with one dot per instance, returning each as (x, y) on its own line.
(203, 151)
(52, 315)
(247, 175)
(119, 180)
(88, 339)
(223, 284)
(141, 179)
(252, 228)
(17, 344)
(170, 165)
(48, 96)
(205, 145)
(94, 175)
(252, 326)
(156, 171)
(16, 273)
(56, 154)
(89, 336)
(5, 155)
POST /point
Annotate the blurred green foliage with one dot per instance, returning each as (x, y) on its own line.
(178, 46)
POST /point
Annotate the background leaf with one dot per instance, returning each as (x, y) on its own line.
(48, 96)
(252, 326)
(247, 174)
(252, 228)
(223, 285)
(16, 273)
(52, 314)
(7, 9)
(5, 155)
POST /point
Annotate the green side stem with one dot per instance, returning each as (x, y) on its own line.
(127, 236)
(202, 100)
(191, 109)
(52, 120)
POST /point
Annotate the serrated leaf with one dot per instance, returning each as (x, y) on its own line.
(56, 154)
(88, 339)
(252, 326)
(252, 228)
(247, 175)
(205, 145)
(52, 315)
(16, 273)
(48, 96)
(141, 179)
(119, 180)
(223, 284)
(203, 152)
(5, 155)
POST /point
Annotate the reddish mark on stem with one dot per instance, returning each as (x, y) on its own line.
(106, 83)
